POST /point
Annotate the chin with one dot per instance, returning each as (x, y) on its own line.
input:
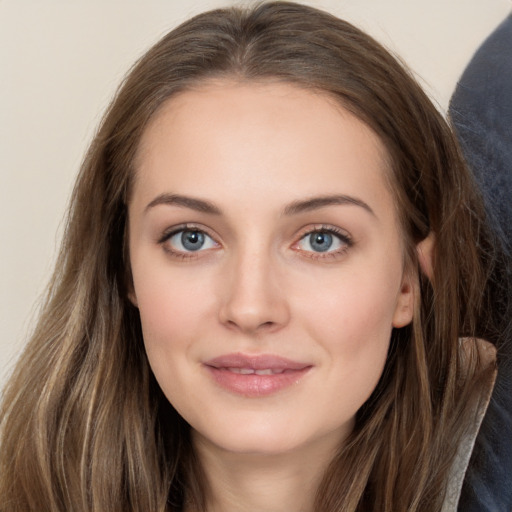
(265, 445)
(269, 438)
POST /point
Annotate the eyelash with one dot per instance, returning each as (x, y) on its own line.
(342, 236)
(168, 234)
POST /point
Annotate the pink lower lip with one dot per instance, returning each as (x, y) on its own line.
(254, 385)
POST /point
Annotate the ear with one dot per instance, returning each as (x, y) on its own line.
(130, 289)
(132, 297)
(405, 303)
(425, 250)
(128, 279)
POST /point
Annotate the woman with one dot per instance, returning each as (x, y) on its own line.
(249, 310)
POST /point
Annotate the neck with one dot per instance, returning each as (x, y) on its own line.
(254, 482)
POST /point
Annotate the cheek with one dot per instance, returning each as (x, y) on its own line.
(352, 320)
(173, 316)
(353, 306)
(172, 309)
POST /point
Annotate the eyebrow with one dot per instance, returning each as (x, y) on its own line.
(199, 205)
(320, 202)
(293, 208)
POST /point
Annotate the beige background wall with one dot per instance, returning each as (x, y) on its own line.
(60, 62)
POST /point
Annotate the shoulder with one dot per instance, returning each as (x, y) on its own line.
(478, 357)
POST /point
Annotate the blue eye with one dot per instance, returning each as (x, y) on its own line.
(320, 242)
(190, 240)
(323, 241)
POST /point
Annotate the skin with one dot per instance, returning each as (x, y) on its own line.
(258, 285)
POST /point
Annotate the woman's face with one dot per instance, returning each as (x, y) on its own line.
(267, 264)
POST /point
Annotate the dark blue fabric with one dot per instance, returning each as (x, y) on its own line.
(481, 110)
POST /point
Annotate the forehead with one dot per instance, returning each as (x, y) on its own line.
(230, 138)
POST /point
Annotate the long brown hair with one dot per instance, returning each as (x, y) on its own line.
(84, 424)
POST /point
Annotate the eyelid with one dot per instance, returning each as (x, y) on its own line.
(174, 230)
(186, 226)
(340, 234)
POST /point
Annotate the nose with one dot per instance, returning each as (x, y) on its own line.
(254, 300)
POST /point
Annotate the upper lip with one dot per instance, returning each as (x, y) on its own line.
(256, 362)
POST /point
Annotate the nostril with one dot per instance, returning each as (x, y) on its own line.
(251, 326)
(250, 305)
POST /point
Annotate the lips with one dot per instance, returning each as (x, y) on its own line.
(255, 376)
(251, 371)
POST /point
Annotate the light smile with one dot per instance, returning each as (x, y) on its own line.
(255, 375)
(255, 362)
(266, 371)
